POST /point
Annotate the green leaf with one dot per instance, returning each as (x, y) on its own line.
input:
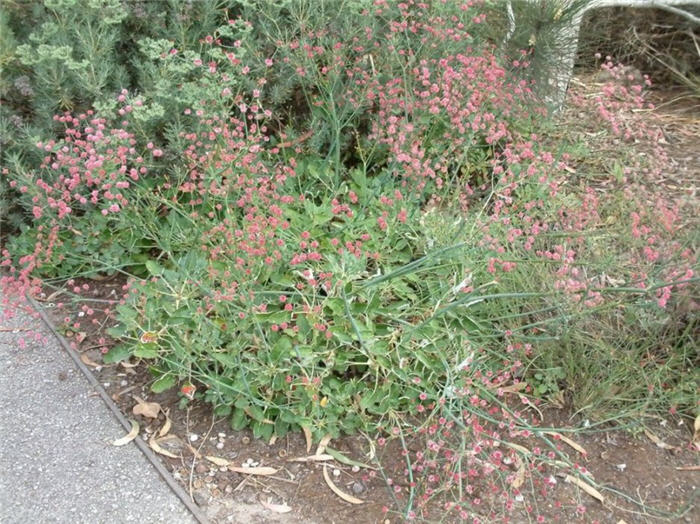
(154, 268)
(149, 350)
(163, 383)
(117, 354)
(238, 420)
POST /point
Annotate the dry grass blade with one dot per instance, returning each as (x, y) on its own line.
(585, 487)
(518, 447)
(659, 443)
(311, 458)
(261, 470)
(309, 438)
(688, 468)
(158, 449)
(218, 461)
(322, 445)
(277, 508)
(133, 433)
(115, 396)
(567, 440)
(335, 489)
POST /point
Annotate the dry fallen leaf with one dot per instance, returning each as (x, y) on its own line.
(309, 438)
(218, 461)
(80, 336)
(696, 433)
(147, 409)
(585, 487)
(88, 361)
(166, 426)
(277, 508)
(311, 458)
(128, 437)
(659, 443)
(261, 470)
(322, 445)
(127, 365)
(520, 473)
(570, 442)
(156, 447)
(346, 497)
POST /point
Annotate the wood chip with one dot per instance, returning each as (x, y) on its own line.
(585, 487)
(335, 489)
(567, 440)
(128, 437)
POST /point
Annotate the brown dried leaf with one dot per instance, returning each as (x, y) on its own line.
(261, 470)
(88, 361)
(309, 438)
(129, 436)
(156, 447)
(585, 487)
(570, 442)
(277, 508)
(519, 474)
(659, 443)
(311, 458)
(127, 365)
(322, 445)
(335, 489)
(218, 461)
(166, 426)
(147, 409)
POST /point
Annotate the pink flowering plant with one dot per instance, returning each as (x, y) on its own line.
(366, 225)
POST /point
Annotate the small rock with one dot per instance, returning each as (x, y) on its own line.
(219, 445)
(336, 472)
(201, 468)
(355, 469)
(228, 488)
(194, 437)
(357, 487)
(222, 435)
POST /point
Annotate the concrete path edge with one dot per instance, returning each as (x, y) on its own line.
(142, 446)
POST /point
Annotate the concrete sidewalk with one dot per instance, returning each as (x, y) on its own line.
(56, 460)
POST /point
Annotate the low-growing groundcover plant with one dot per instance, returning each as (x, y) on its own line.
(398, 252)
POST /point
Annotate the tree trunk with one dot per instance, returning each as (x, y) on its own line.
(566, 36)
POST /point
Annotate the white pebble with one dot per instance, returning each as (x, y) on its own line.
(222, 435)
(219, 445)
(336, 472)
(355, 469)
(123, 383)
(194, 437)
